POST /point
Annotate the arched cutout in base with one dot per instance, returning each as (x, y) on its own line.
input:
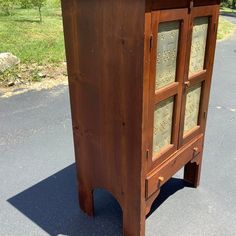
(101, 203)
(104, 202)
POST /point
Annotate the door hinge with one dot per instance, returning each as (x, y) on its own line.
(215, 27)
(151, 42)
(190, 6)
(147, 153)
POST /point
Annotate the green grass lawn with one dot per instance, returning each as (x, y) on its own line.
(33, 42)
(225, 28)
(229, 10)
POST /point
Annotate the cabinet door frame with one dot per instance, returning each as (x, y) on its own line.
(204, 76)
(174, 89)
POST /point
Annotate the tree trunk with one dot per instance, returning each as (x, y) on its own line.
(40, 15)
(233, 4)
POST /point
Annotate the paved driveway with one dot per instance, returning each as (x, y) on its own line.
(38, 188)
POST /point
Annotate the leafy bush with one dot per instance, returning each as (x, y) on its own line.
(33, 3)
(7, 6)
(25, 4)
(233, 4)
(54, 3)
(39, 4)
(228, 3)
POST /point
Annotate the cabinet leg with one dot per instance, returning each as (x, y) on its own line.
(192, 172)
(133, 222)
(86, 200)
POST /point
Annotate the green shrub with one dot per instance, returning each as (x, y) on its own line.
(39, 4)
(25, 4)
(7, 6)
(54, 3)
(228, 3)
(233, 4)
(33, 3)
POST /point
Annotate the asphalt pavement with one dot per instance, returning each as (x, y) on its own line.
(37, 172)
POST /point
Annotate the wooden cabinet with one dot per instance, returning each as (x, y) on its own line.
(139, 79)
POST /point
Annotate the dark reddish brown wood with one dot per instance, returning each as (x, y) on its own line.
(105, 49)
(203, 76)
(175, 89)
(192, 172)
(197, 3)
(86, 193)
(146, 86)
(170, 4)
(150, 200)
(111, 55)
(211, 44)
(166, 92)
(172, 165)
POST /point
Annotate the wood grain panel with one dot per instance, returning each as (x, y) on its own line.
(105, 50)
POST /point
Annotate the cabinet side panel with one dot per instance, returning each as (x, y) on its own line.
(104, 47)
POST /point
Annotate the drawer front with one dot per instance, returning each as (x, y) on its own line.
(164, 172)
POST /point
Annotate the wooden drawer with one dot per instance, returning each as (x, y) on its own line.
(191, 151)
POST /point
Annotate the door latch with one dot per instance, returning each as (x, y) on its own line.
(187, 83)
(151, 42)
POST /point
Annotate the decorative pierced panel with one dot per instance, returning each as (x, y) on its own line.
(192, 107)
(163, 116)
(198, 48)
(167, 48)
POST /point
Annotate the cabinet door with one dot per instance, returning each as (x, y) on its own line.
(167, 58)
(198, 71)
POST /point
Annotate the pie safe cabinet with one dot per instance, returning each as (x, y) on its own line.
(139, 81)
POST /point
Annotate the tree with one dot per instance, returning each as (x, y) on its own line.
(7, 6)
(25, 4)
(226, 3)
(233, 4)
(39, 4)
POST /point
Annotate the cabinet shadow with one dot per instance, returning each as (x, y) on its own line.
(52, 204)
(168, 189)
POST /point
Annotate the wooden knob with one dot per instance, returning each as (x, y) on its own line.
(195, 149)
(161, 178)
(187, 83)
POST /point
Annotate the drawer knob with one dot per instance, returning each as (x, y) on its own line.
(195, 151)
(161, 178)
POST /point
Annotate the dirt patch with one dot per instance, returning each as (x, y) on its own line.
(32, 77)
